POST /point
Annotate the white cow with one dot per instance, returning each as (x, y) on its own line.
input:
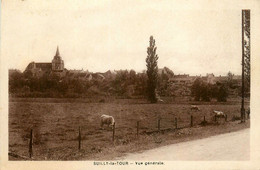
(108, 120)
(194, 107)
(160, 100)
(219, 113)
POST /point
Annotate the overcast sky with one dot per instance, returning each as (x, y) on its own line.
(195, 38)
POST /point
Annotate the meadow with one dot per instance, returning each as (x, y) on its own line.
(55, 124)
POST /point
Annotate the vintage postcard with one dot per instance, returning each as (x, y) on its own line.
(130, 84)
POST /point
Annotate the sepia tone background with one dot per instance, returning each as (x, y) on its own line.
(90, 34)
(122, 45)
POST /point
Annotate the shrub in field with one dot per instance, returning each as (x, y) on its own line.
(234, 118)
(203, 123)
(200, 90)
(205, 92)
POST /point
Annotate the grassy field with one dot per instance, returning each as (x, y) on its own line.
(55, 124)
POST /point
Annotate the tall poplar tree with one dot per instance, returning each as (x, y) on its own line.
(152, 70)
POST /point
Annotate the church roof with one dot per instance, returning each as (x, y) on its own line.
(43, 65)
(39, 66)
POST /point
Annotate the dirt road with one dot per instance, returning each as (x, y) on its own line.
(231, 146)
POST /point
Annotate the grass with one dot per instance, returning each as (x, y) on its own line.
(55, 124)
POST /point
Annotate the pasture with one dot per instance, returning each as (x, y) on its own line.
(55, 124)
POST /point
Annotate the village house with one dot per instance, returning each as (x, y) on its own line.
(181, 84)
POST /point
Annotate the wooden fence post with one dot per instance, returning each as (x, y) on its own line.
(191, 121)
(176, 123)
(114, 127)
(79, 138)
(30, 144)
(137, 129)
(159, 124)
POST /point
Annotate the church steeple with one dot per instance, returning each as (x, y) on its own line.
(57, 62)
(57, 52)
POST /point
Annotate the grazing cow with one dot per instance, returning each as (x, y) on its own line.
(194, 107)
(160, 100)
(108, 120)
(219, 114)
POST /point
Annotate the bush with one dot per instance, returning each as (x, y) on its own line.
(234, 118)
(205, 92)
(201, 90)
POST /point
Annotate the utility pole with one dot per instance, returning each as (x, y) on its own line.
(245, 43)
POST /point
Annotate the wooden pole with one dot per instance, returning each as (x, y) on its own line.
(79, 138)
(191, 121)
(30, 144)
(137, 129)
(114, 127)
(243, 63)
(176, 123)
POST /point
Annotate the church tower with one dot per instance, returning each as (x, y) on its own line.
(57, 62)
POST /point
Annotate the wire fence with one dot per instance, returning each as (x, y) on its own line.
(140, 127)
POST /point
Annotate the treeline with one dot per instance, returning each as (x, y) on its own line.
(125, 84)
(202, 91)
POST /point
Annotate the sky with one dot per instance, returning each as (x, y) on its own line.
(192, 38)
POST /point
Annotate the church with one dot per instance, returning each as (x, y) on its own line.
(56, 66)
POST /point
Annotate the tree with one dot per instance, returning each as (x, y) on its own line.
(195, 89)
(163, 87)
(222, 94)
(120, 82)
(205, 92)
(141, 84)
(230, 76)
(16, 81)
(201, 90)
(152, 71)
(132, 77)
(230, 80)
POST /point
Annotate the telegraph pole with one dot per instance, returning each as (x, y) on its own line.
(245, 43)
(243, 63)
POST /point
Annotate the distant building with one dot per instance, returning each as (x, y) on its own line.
(165, 70)
(39, 69)
(181, 84)
(182, 79)
(78, 74)
(210, 78)
(221, 79)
